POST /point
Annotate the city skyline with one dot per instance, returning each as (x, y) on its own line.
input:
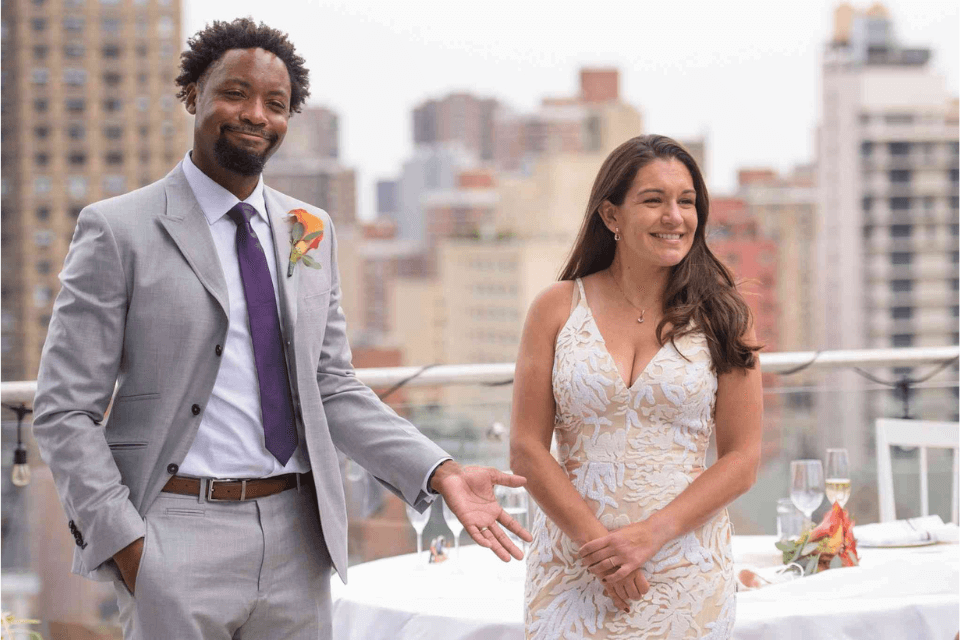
(761, 87)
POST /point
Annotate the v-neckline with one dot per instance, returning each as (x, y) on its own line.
(603, 342)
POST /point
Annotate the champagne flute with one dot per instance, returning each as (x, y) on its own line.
(806, 486)
(419, 522)
(838, 476)
(456, 528)
(515, 502)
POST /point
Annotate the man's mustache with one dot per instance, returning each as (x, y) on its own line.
(272, 137)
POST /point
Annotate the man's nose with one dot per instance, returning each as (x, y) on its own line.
(254, 112)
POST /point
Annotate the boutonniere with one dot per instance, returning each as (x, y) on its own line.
(305, 235)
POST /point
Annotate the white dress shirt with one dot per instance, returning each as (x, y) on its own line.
(229, 442)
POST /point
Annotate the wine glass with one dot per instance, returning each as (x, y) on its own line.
(514, 501)
(806, 486)
(419, 522)
(456, 527)
(838, 476)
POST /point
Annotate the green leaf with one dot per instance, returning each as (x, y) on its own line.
(297, 232)
(315, 234)
(835, 562)
(811, 567)
(784, 546)
(809, 548)
(310, 262)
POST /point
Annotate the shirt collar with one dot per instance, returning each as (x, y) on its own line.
(215, 201)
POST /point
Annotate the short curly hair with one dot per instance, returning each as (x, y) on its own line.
(206, 47)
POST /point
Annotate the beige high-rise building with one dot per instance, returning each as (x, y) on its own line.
(887, 247)
(89, 111)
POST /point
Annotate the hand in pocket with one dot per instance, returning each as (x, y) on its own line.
(128, 561)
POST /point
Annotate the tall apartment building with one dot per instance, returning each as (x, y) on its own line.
(307, 165)
(89, 111)
(887, 174)
(458, 117)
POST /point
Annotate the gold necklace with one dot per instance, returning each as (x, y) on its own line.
(642, 311)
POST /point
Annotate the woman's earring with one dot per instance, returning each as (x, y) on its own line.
(616, 234)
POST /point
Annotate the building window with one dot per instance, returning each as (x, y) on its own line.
(113, 133)
(898, 148)
(955, 230)
(42, 295)
(77, 159)
(901, 286)
(143, 103)
(76, 105)
(900, 203)
(901, 258)
(77, 187)
(75, 212)
(40, 52)
(43, 238)
(42, 185)
(112, 79)
(40, 105)
(43, 267)
(142, 50)
(144, 156)
(112, 104)
(43, 213)
(955, 284)
(76, 132)
(867, 204)
(899, 118)
(73, 23)
(114, 184)
(114, 158)
(110, 25)
(166, 50)
(74, 50)
(902, 313)
(902, 339)
(38, 24)
(40, 75)
(111, 51)
(41, 159)
(899, 176)
(901, 230)
(165, 27)
(954, 177)
(866, 149)
(41, 132)
(75, 77)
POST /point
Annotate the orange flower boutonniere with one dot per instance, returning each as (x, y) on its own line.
(305, 235)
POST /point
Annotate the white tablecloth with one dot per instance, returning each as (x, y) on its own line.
(894, 593)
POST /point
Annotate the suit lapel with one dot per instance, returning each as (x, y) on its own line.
(289, 286)
(187, 226)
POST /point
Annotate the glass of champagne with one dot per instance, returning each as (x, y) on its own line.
(456, 528)
(806, 486)
(838, 476)
(419, 522)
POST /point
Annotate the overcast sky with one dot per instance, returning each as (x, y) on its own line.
(743, 72)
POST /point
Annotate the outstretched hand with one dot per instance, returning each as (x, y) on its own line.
(468, 492)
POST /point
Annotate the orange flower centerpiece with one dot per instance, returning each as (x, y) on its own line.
(305, 235)
(831, 544)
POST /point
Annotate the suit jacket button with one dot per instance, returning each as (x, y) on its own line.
(73, 527)
(196, 409)
(219, 350)
(172, 468)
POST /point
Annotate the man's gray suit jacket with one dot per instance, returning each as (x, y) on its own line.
(143, 307)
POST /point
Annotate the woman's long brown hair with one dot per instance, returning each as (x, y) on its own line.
(701, 293)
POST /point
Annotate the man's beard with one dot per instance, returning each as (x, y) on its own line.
(233, 158)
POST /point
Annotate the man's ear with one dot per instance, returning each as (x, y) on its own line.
(190, 100)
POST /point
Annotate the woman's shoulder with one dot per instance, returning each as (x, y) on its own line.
(551, 308)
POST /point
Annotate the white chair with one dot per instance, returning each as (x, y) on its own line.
(913, 433)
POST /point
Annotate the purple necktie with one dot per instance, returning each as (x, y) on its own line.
(279, 426)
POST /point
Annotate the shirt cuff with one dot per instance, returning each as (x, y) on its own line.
(426, 481)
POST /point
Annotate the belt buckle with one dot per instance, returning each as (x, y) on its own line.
(213, 481)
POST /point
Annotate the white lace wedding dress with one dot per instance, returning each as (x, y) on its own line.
(629, 452)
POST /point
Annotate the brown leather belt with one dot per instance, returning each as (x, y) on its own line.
(236, 489)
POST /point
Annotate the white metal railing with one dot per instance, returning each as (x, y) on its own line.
(775, 362)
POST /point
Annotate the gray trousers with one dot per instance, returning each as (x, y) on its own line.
(231, 570)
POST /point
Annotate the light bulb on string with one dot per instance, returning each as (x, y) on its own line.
(20, 476)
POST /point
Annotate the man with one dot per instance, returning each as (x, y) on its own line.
(213, 302)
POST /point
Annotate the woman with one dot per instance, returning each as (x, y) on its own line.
(641, 350)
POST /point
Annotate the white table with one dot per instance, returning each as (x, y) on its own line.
(894, 593)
